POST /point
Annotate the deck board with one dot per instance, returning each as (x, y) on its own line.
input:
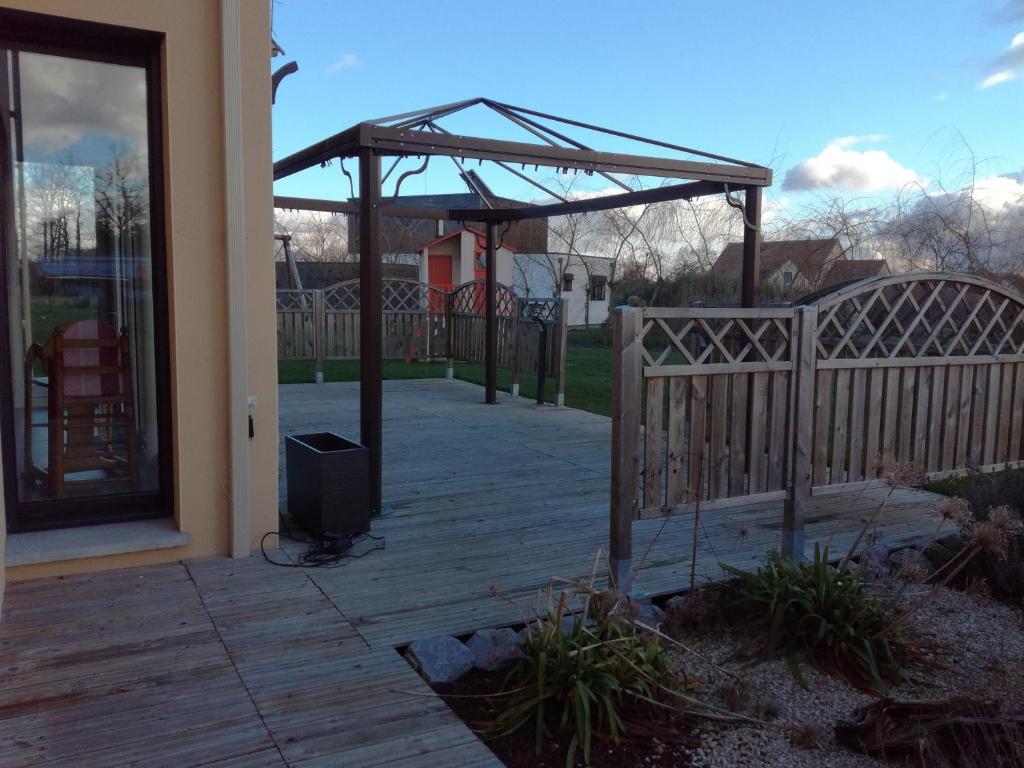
(240, 663)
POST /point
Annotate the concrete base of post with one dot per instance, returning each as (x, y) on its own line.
(793, 546)
(449, 372)
(319, 377)
(618, 574)
(514, 390)
(560, 400)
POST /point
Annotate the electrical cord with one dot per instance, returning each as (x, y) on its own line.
(329, 551)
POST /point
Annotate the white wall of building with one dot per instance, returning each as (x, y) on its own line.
(541, 275)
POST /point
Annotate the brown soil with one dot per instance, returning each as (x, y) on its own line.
(468, 698)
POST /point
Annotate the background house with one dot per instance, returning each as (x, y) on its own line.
(793, 267)
(408, 236)
(583, 280)
(459, 257)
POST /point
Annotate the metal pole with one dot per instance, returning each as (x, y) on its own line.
(491, 323)
(751, 246)
(370, 287)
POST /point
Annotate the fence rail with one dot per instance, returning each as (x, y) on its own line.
(785, 403)
(421, 322)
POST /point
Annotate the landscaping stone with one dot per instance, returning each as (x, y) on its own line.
(440, 659)
(647, 613)
(494, 648)
(874, 561)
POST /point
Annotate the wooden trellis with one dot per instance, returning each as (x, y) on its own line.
(421, 322)
(744, 405)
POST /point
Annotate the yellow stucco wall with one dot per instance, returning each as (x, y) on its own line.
(194, 166)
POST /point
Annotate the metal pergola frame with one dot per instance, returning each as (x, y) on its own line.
(418, 134)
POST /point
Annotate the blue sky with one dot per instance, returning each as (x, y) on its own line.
(769, 82)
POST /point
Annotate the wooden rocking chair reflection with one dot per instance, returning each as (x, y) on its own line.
(90, 413)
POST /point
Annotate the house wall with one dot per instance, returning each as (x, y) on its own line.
(800, 283)
(462, 249)
(197, 268)
(535, 273)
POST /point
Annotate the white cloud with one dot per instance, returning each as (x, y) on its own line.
(347, 61)
(999, 192)
(839, 166)
(1002, 76)
(1008, 65)
(942, 96)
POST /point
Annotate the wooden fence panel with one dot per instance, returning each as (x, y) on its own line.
(419, 322)
(654, 440)
(727, 375)
(938, 355)
(764, 402)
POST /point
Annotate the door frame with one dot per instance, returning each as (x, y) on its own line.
(72, 38)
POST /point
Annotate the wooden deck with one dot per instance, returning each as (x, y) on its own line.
(239, 663)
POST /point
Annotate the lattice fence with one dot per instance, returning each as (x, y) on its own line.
(926, 369)
(297, 324)
(725, 405)
(421, 322)
(717, 393)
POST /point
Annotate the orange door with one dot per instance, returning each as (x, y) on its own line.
(439, 271)
(479, 266)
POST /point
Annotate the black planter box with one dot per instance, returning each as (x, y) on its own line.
(328, 484)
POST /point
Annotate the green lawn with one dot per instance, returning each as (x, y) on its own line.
(48, 315)
(588, 375)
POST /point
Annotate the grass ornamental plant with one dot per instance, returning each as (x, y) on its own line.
(814, 612)
(584, 679)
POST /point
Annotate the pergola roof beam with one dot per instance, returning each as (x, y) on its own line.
(343, 144)
(338, 206)
(403, 141)
(630, 136)
(428, 112)
(604, 203)
(536, 129)
(607, 202)
(508, 168)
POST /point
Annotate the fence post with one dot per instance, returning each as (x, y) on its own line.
(561, 343)
(449, 318)
(625, 470)
(319, 333)
(513, 389)
(803, 430)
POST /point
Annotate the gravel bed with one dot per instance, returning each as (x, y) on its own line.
(978, 644)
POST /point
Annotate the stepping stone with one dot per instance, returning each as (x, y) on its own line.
(441, 659)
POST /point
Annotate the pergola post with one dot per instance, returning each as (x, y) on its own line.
(370, 287)
(751, 246)
(491, 322)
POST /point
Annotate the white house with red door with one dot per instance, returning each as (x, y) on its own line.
(459, 257)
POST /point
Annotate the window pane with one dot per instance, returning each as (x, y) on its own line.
(80, 291)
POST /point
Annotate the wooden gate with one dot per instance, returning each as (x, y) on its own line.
(738, 405)
(467, 304)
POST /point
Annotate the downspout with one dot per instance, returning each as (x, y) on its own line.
(234, 214)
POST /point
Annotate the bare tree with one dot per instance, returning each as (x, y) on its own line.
(317, 238)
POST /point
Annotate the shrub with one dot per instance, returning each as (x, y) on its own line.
(814, 612)
(1003, 570)
(581, 680)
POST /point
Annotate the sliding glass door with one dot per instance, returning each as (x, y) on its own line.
(84, 390)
